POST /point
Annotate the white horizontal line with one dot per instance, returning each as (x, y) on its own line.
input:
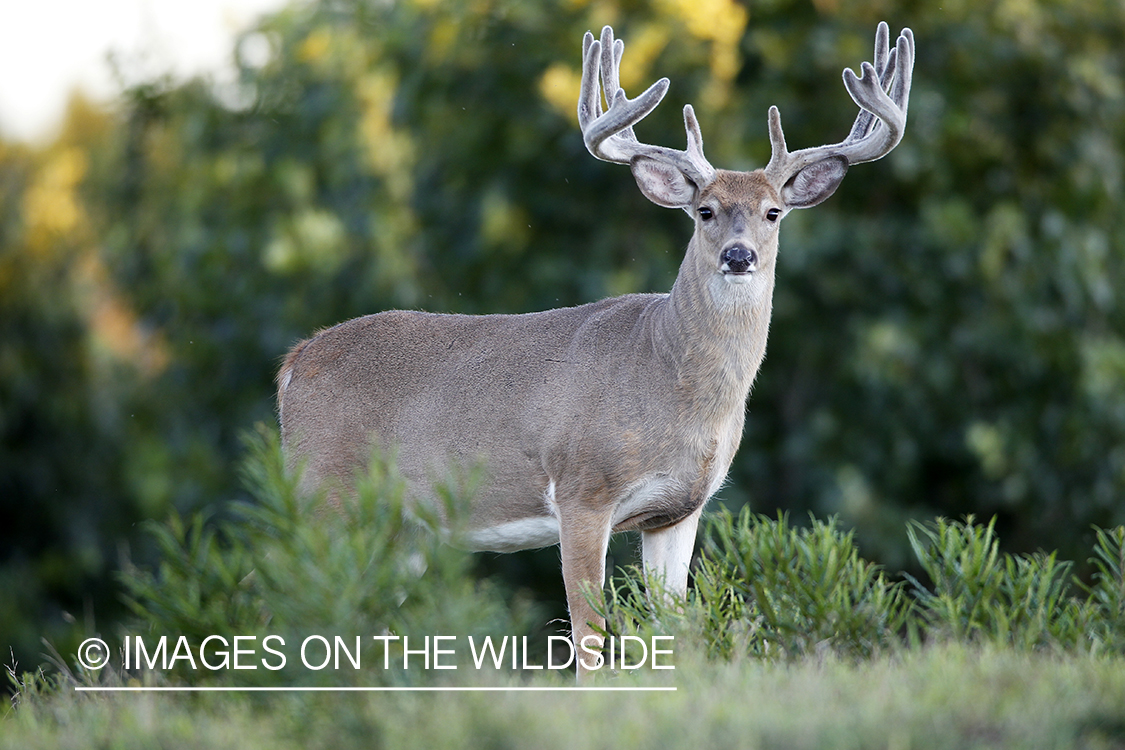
(370, 689)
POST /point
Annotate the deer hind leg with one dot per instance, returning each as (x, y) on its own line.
(667, 553)
(583, 540)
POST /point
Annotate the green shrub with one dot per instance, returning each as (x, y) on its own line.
(979, 594)
(282, 565)
(1107, 592)
(769, 589)
(764, 588)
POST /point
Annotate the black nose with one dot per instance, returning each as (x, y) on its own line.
(739, 259)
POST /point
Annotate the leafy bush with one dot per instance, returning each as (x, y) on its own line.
(774, 590)
(764, 588)
(285, 566)
(979, 594)
(1107, 593)
(807, 586)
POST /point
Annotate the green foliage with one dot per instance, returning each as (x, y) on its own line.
(979, 593)
(808, 587)
(766, 589)
(769, 589)
(943, 698)
(757, 682)
(287, 565)
(198, 588)
(1107, 594)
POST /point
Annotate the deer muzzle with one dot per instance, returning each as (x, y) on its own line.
(738, 259)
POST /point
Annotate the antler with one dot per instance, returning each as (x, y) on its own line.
(883, 93)
(609, 136)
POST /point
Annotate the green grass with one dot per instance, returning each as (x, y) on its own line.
(788, 638)
(948, 696)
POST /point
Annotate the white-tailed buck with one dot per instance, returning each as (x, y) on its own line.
(615, 415)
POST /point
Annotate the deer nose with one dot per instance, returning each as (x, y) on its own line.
(739, 259)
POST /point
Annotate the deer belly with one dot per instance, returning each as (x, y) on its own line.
(510, 536)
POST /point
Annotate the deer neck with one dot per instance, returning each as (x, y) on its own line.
(715, 333)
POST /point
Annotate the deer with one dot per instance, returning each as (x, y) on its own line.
(616, 415)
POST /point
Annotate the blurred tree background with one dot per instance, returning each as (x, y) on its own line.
(946, 335)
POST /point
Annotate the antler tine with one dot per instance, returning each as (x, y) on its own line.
(884, 65)
(885, 94)
(612, 49)
(904, 51)
(881, 90)
(609, 135)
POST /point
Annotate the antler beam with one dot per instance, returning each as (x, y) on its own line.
(882, 92)
(609, 135)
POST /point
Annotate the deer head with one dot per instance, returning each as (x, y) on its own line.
(736, 213)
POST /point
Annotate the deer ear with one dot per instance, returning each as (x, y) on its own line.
(814, 183)
(662, 183)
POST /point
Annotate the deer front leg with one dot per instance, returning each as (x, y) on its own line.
(667, 552)
(583, 540)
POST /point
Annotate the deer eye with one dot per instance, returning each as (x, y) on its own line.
(706, 214)
(773, 214)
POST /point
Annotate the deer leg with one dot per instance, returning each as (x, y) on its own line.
(583, 540)
(667, 554)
